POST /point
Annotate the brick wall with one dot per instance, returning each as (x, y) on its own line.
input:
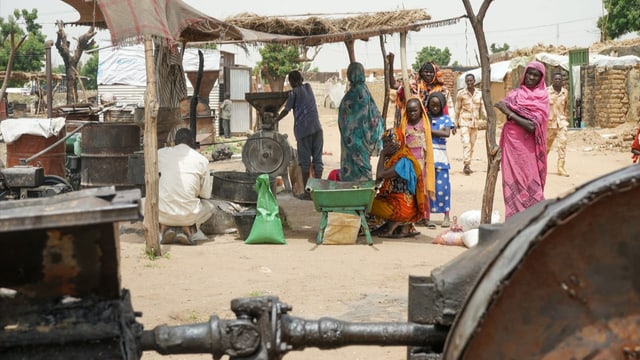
(610, 96)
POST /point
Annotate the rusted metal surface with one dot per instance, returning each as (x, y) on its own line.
(565, 286)
(87, 328)
(53, 161)
(64, 245)
(105, 153)
(60, 291)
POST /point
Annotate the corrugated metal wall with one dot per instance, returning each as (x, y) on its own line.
(239, 84)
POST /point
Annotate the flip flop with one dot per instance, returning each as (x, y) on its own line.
(431, 224)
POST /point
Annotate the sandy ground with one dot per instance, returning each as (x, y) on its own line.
(349, 282)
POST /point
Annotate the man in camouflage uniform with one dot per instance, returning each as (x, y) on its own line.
(468, 114)
(558, 120)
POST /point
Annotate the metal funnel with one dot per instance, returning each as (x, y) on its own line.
(268, 105)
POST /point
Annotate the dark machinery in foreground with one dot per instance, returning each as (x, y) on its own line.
(23, 182)
(557, 281)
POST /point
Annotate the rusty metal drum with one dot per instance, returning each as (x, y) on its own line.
(52, 162)
(565, 285)
(105, 153)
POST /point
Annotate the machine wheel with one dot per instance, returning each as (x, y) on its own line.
(50, 180)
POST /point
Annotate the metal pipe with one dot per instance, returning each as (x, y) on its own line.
(44, 151)
(328, 333)
(216, 337)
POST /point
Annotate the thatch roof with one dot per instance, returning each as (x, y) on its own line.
(314, 30)
(324, 26)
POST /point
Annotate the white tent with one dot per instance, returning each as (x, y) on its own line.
(126, 65)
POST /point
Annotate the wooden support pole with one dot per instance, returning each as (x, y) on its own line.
(403, 64)
(385, 61)
(151, 176)
(350, 44)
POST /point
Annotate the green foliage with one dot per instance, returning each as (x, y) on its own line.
(90, 70)
(434, 54)
(150, 255)
(60, 69)
(30, 56)
(496, 49)
(279, 59)
(623, 16)
(256, 293)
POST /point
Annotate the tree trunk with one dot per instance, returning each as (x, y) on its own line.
(12, 58)
(494, 154)
(71, 61)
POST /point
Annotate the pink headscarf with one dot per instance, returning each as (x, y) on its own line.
(532, 104)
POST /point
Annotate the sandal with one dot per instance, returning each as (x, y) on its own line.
(431, 224)
(446, 223)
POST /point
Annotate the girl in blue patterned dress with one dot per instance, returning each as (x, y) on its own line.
(441, 128)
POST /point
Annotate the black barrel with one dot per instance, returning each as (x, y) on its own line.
(105, 153)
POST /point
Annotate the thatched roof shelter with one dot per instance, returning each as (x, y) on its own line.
(314, 30)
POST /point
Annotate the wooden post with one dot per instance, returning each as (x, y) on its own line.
(350, 44)
(385, 106)
(151, 176)
(403, 64)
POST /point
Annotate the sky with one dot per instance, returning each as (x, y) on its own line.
(520, 24)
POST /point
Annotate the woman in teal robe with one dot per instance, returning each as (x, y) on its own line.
(361, 127)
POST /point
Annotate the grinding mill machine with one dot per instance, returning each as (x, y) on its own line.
(267, 151)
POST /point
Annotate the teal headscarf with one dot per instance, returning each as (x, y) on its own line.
(361, 127)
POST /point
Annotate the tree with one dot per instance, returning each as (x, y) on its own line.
(496, 49)
(623, 16)
(72, 59)
(433, 54)
(494, 154)
(11, 30)
(29, 56)
(277, 61)
(90, 70)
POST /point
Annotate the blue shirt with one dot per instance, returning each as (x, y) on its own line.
(306, 120)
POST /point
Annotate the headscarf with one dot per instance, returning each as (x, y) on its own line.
(533, 104)
(443, 103)
(405, 152)
(432, 67)
(437, 83)
(361, 126)
(430, 179)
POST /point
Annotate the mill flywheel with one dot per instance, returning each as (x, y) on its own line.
(268, 152)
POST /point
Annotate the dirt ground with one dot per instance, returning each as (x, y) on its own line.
(349, 282)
